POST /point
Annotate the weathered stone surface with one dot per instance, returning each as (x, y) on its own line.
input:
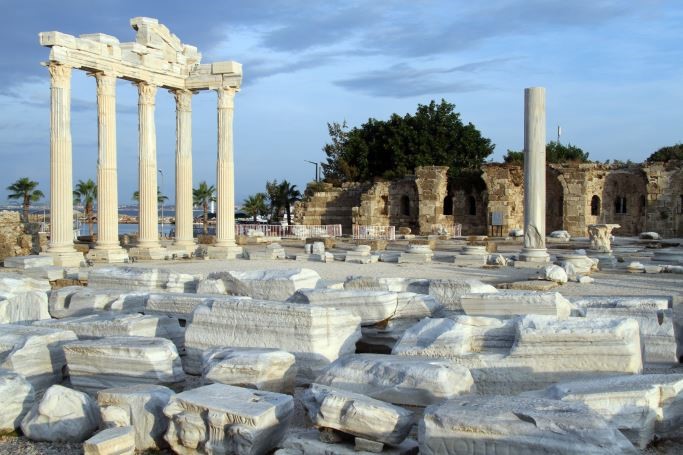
(416, 254)
(27, 262)
(370, 306)
(78, 301)
(112, 441)
(272, 251)
(13, 283)
(141, 279)
(307, 442)
(381, 338)
(357, 414)
(491, 425)
(179, 305)
(267, 284)
(315, 335)
(221, 419)
(35, 353)
(640, 406)
(16, 396)
(211, 286)
(510, 356)
(262, 369)
(562, 235)
(62, 415)
(50, 273)
(649, 236)
(579, 261)
(23, 306)
(510, 303)
(371, 283)
(448, 292)
(397, 379)
(416, 306)
(140, 407)
(606, 301)
(554, 273)
(120, 361)
(117, 324)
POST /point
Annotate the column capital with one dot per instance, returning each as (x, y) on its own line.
(106, 83)
(147, 92)
(226, 97)
(183, 99)
(60, 74)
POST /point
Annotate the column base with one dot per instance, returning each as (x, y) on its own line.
(182, 251)
(148, 254)
(114, 255)
(533, 258)
(67, 258)
(224, 252)
(606, 260)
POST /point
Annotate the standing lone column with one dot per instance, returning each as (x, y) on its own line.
(148, 217)
(107, 248)
(61, 245)
(183, 170)
(534, 176)
(225, 178)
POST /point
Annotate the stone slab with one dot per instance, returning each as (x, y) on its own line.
(17, 397)
(112, 441)
(370, 306)
(267, 284)
(27, 262)
(307, 442)
(507, 303)
(73, 301)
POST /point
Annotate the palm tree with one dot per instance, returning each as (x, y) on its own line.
(203, 195)
(273, 196)
(86, 194)
(161, 198)
(288, 195)
(25, 189)
(255, 205)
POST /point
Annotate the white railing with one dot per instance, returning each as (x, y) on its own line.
(362, 232)
(296, 231)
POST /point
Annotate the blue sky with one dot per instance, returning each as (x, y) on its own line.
(612, 70)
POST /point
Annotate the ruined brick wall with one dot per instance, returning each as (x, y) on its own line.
(13, 239)
(432, 187)
(664, 198)
(333, 205)
(373, 208)
(505, 188)
(389, 203)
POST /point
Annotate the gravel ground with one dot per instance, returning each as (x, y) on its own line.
(612, 283)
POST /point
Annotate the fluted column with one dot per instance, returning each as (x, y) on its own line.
(107, 185)
(61, 189)
(225, 170)
(183, 169)
(148, 217)
(534, 176)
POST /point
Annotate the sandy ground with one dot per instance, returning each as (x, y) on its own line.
(611, 283)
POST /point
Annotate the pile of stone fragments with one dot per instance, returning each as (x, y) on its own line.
(145, 358)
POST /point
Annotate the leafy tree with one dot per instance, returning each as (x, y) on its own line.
(25, 190)
(288, 195)
(255, 205)
(554, 153)
(672, 152)
(86, 194)
(273, 197)
(202, 196)
(434, 136)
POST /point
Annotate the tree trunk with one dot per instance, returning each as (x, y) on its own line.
(27, 204)
(289, 214)
(205, 220)
(88, 215)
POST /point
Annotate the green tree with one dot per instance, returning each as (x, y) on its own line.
(255, 205)
(672, 152)
(288, 195)
(202, 196)
(25, 190)
(273, 197)
(433, 136)
(161, 198)
(86, 194)
(554, 153)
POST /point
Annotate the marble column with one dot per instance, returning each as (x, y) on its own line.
(107, 248)
(183, 170)
(534, 176)
(225, 246)
(61, 245)
(148, 238)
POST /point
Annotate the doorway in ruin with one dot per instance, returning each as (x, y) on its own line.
(554, 200)
(624, 200)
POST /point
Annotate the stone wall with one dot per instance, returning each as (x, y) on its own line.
(665, 198)
(432, 188)
(389, 203)
(505, 187)
(13, 240)
(333, 205)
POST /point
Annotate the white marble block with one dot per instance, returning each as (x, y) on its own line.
(416, 306)
(62, 415)
(140, 407)
(267, 284)
(120, 324)
(141, 279)
(23, 306)
(16, 396)
(371, 283)
(370, 306)
(397, 379)
(315, 335)
(357, 414)
(180, 305)
(78, 301)
(27, 262)
(640, 406)
(307, 442)
(262, 369)
(34, 352)
(120, 361)
(508, 303)
(112, 441)
(416, 254)
(15, 283)
(449, 292)
(222, 419)
(530, 426)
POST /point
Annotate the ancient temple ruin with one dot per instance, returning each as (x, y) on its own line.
(156, 59)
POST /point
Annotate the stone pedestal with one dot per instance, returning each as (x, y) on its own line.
(418, 254)
(534, 177)
(601, 248)
(149, 254)
(471, 256)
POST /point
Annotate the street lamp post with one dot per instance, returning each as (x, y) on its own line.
(161, 201)
(316, 168)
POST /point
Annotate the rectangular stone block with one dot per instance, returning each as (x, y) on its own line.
(507, 303)
(27, 262)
